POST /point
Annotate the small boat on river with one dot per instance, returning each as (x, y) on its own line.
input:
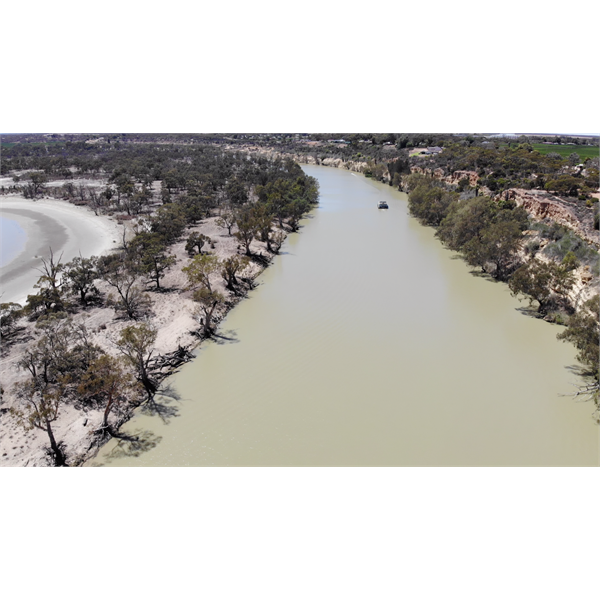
(382, 204)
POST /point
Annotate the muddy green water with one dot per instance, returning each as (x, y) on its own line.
(368, 343)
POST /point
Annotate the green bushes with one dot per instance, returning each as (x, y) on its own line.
(375, 170)
(547, 283)
(548, 230)
(430, 204)
(488, 233)
(464, 221)
(497, 245)
(569, 243)
(583, 330)
(564, 185)
(566, 246)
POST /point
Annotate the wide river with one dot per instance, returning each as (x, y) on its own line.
(368, 343)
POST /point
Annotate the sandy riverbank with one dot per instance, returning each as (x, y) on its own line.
(171, 313)
(67, 229)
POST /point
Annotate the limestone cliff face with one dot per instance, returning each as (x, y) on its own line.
(307, 159)
(458, 175)
(541, 205)
(452, 179)
(585, 285)
(437, 173)
(338, 163)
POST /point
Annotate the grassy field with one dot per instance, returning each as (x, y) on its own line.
(48, 143)
(564, 150)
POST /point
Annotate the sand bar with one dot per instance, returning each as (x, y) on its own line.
(67, 229)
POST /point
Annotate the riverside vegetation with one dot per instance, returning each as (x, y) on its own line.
(165, 189)
(63, 364)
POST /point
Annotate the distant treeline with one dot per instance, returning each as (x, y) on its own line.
(522, 167)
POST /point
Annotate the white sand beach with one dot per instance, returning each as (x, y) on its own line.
(67, 229)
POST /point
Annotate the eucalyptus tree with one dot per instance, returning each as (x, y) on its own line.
(80, 276)
(121, 273)
(196, 242)
(50, 295)
(39, 407)
(498, 245)
(170, 222)
(208, 302)
(232, 266)
(544, 282)
(227, 220)
(200, 269)
(109, 382)
(296, 209)
(276, 195)
(9, 315)
(236, 192)
(136, 343)
(155, 262)
(583, 330)
(54, 362)
(148, 253)
(464, 221)
(246, 225)
(263, 222)
(38, 183)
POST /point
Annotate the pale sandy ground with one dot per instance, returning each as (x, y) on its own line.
(8, 182)
(172, 314)
(67, 229)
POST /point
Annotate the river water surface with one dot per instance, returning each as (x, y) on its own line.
(368, 343)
